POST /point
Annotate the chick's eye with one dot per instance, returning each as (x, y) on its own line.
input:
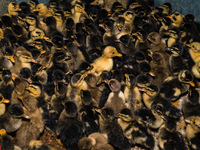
(113, 52)
(25, 99)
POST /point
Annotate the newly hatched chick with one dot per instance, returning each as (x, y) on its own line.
(136, 133)
(173, 87)
(169, 138)
(192, 132)
(112, 129)
(76, 56)
(42, 10)
(77, 84)
(6, 57)
(194, 51)
(39, 74)
(105, 62)
(3, 103)
(31, 129)
(190, 105)
(132, 94)
(7, 84)
(176, 61)
(87, 112)
(95, 141)
(156, 43)
(177, 19)
(70, 129)
(116, 99)
(12, 119)
(159, 67)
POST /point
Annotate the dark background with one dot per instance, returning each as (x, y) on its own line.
(183, 6)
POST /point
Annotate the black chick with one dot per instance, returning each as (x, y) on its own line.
(88, 114)
(112, 129)
(70, 129)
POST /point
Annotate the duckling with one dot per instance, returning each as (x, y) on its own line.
(159, 67)
(42, 10)
(32, 22)
(190, 104)
(70, 129)
(132, 94)
(7, 141)
(195, 70)
(3, 103)
(110, 127)
(141, 42)
(87, 112)
(143, 80)
(33, 4)
(118, 25)
(126, 30)
(36, 34)
(6, 85)
(105, 62)
(174, 87)
(149, 93)
(6, 57)
(150, 118)
(126, 45)
(59, 62)
(32, 128)
(12, 119)
(166, 8)
(59, 16)
(172, 36)
(116, 99)
(58, 98)
(156, 43)
(49, 26)
(13, 10)
(39, 74)
(177, 19)
(108, 37)
(165, 24)
(176, 62)
(78, 10)
(23, 59)
(77, 84)
(169, 138)
(25, 8)
(136, 133)
(77, 57)
(95, 92)
(194, 51)
(25, 74)
(19, 89)
(129, 16)
(192, 132)
(38, 145)
(95, 141)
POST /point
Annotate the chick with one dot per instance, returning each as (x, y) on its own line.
(194, 51)
(159, 67)
(12, 119)
(111, 128)
(116, 99)
(87, 112)
(132, 94)
(105, 62)
(192, 132)
(69, 128)
(173, 87)
(190, 105)
(95, 141)
(6, 85)
(3, 103)
(34, 126)
(42, 10)
(136, 133)
(169, 138)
